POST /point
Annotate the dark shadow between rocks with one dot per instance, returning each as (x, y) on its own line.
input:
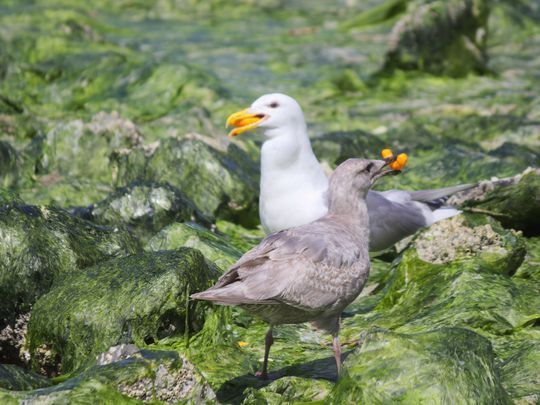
(232, 391)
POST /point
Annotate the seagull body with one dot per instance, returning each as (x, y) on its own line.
(312, 272)
(294, 187)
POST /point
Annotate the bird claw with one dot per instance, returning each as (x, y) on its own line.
(262, 374)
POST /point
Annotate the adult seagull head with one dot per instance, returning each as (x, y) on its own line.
(276, 113)
(294, 188)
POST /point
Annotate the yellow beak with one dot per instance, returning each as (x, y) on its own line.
(244, 121)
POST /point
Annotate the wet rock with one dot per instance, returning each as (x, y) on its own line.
(18, 379)
(289, 390)
(514, 201)
(8, 165)
(441, 37)
(222, 184)
(460, 239)
(336, 147)
(145, 208)
(137, 299)
(450, 365)
(39, 244)
(147, 375)
(13, 341)
(214, 247)
(117, 353)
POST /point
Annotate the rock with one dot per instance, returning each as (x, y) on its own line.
(440, 37)
(8, 165)
(222, 184)
(289, 390)
(145, 208)
(336, 147)
(13, 341)
(514, 201)
(214, 248)
(450, 365)
(137, 299)
(146, 375)
(67, 167)
(18, 379)
(38, 244)
(460, 238)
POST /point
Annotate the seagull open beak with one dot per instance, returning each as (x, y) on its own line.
(244, 121)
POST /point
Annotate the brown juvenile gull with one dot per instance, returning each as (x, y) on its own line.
(312, 272)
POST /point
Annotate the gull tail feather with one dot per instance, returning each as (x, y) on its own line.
(443, 213)
(223, 296)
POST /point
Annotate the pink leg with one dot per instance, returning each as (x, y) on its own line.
(269, 340)
(337, 353)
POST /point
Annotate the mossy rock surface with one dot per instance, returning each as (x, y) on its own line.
(289, 390)
(145, 208)
(450, 365)
(15, 378)
(215, 248)
(146, 376)
(441, 37)
(40, 243)
(515, 205)
(137, 299)
(222, 184)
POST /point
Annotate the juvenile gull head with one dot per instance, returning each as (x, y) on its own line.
(312, 272)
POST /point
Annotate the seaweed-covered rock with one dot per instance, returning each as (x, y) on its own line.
(147, 208)
(137, 299)
(441, 37)
(289, 390)
(212, 246)
(221, 183)
(143, 375)
(8, 165)
(38, 244)
(515, 201)
(439, 282)
(336, 147)
(18, 379)
(450, 365)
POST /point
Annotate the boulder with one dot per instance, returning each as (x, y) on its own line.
(38, 244)
(140, 376)
(215, 248)
(222, 183)
(440, 37)
(514, 201)
(145, 208)
(449, 365)
(136, 299)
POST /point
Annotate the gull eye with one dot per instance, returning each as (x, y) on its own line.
(369, 166)
(274, 104)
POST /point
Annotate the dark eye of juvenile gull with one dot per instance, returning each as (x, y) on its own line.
(274, 104)
(369, 166)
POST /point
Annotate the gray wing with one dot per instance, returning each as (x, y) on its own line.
(297, 266)
(392, 217)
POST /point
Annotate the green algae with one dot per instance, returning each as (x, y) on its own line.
(144, 376)
(145, 208)
(214, 248)
(220, 183)
(516, 206)
(38, 244)
(443, 366)
(289, 390)
(140, 299)
(17, 379)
